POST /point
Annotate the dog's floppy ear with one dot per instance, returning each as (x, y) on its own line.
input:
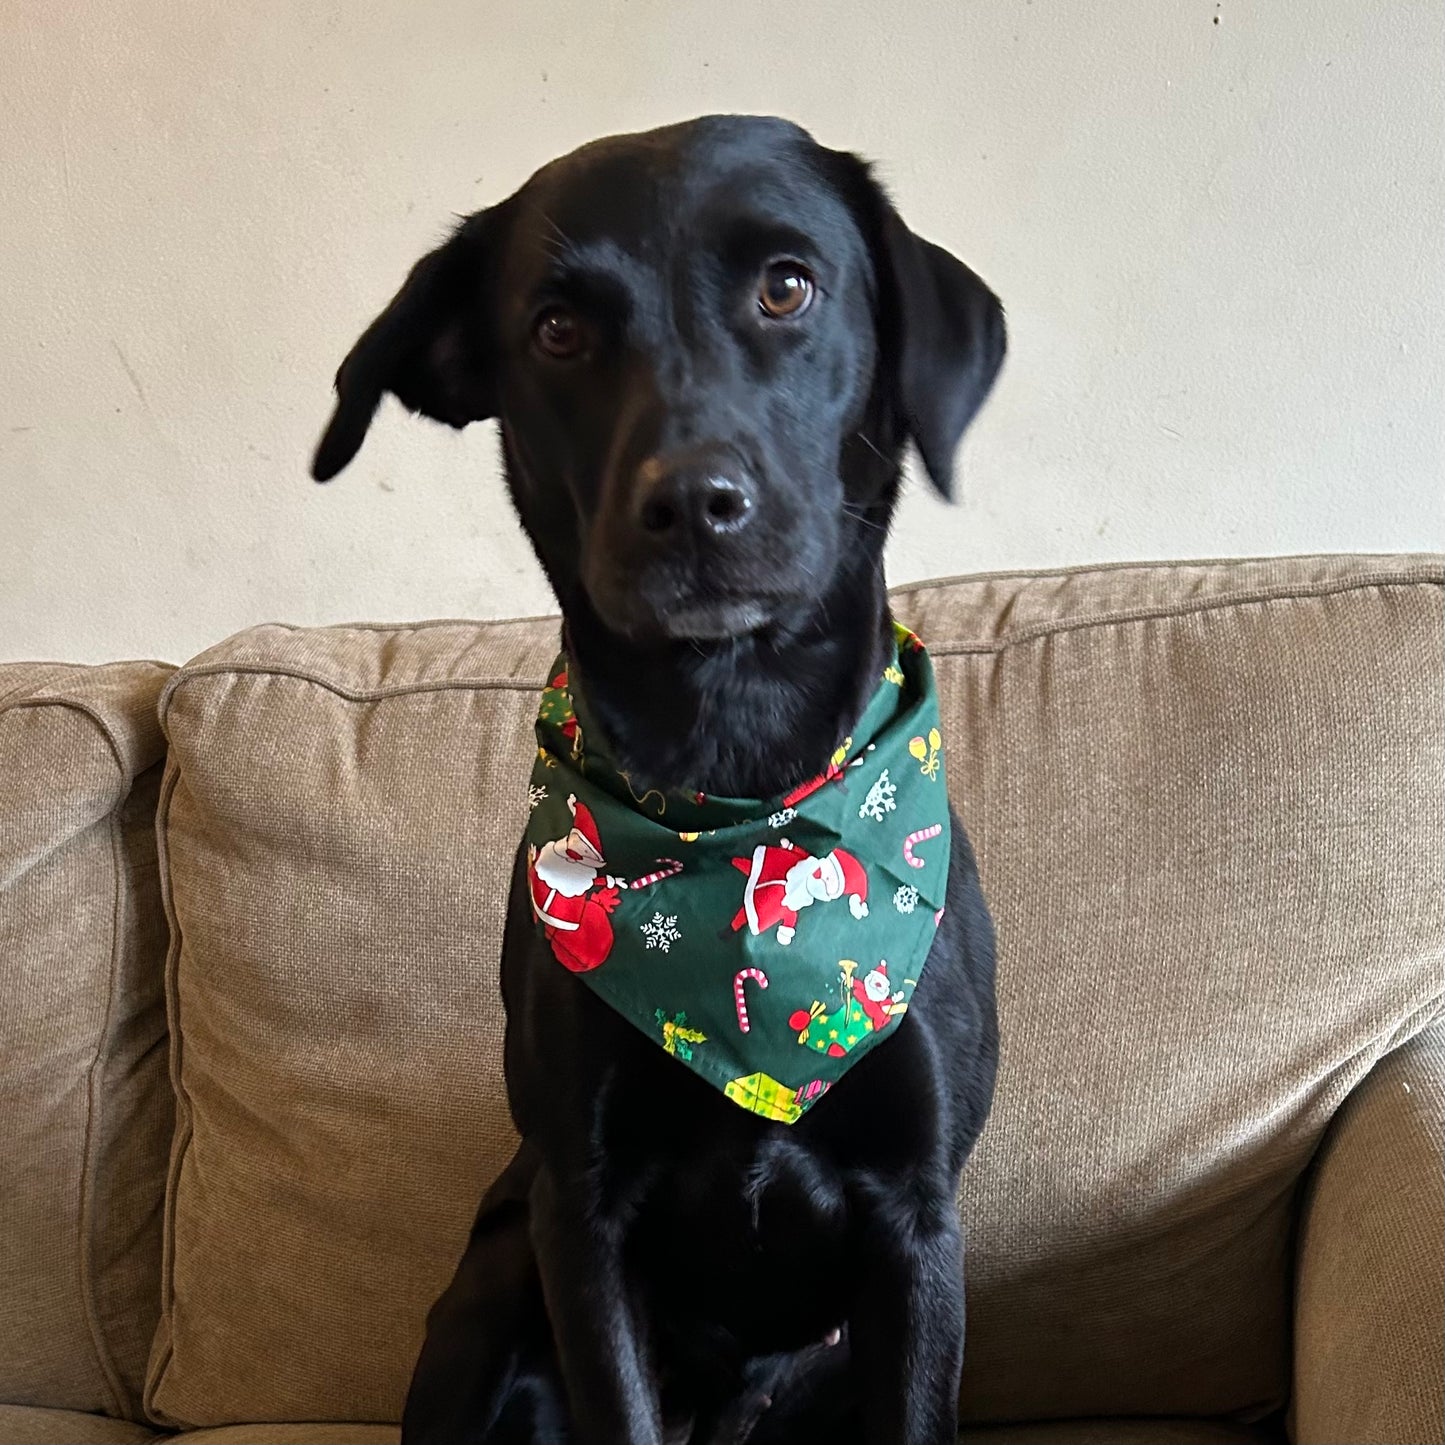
(431, 347)
(941, 330)
(950, 344)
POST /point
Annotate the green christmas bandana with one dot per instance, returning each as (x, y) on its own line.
(766, 945)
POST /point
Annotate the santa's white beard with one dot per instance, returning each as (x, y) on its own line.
(801, 887)
(875, 985)
(570, 877)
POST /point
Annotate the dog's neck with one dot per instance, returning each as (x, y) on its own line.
(750, 717)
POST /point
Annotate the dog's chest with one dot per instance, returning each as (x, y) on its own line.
(749, 1236)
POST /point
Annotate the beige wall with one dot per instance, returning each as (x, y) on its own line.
(1217, 229)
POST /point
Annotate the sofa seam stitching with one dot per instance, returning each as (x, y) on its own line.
(115, 1388)
(155, 1376)
(264, 669)
(1422, 569)
(1256, 598)
(119, 1395)
(86, 710)
(25, 695)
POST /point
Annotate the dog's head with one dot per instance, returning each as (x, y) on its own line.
(706, 346)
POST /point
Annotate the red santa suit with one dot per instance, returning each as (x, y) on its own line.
(876, 1002)
(783, 879)
(566, 899)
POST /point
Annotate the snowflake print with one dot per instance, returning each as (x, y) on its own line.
(879, 799)
(905, 900)
(661, 932)
(535, 795)
(782, 817)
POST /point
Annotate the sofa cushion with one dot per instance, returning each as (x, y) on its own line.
(1063, 1432)
(20, 1425)
(1206, 800)
(318, 1433)
(340, 813)
(1206, 803)
(1153, 1430)
(85, 1108)
(33, 1425)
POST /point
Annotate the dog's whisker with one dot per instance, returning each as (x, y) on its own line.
(863, 520)
(882, 457)
(561, 234)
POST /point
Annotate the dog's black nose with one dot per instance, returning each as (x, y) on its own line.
(707, 499)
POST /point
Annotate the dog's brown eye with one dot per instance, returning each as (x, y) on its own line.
(786, 290)
(558, 333)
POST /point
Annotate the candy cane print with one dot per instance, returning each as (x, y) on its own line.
(741, 977)
(668, 867)
(921, 836)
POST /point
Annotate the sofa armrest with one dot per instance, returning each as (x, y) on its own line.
(1370, 1287)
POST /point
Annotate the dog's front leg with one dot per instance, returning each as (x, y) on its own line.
(601, 1348)
(907, 1325)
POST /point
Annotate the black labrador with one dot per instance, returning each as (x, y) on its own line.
(707, 347)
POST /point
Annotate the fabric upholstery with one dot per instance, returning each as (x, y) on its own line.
(1206, 802)
(1065, 1432)
(34, 1425)
(339, 823)
(85, 1111)
(1206, 806)
(1155, 1431)
(20, 1425)
(1370, 1306)
(310, 1434)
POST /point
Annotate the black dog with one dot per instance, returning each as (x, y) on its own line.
(706, 346)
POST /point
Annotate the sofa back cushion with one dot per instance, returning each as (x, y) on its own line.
(1206, 804)
(339, 817)
(85, 1106)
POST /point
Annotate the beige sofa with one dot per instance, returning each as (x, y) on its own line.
(250, 1086)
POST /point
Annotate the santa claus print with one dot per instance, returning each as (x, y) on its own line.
(571, 895)
(879, 1000)
(783, 880)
